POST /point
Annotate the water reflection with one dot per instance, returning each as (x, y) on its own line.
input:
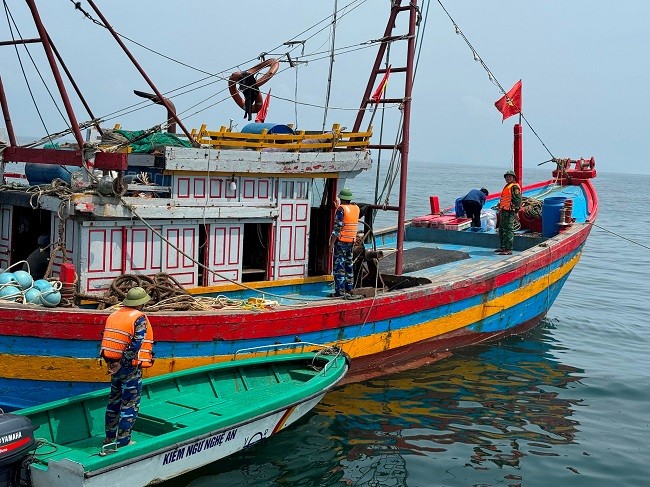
(487, 408)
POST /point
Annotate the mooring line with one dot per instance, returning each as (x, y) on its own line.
(621, 236)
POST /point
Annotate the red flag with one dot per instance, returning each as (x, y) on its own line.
(261, 115)
(510, 103)
(376, 96)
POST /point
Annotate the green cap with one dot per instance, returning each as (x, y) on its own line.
(345, 194)
(510, 173)
(136, 296)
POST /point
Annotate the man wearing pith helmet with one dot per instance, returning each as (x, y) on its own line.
(127, 347)
(342, 239)
(509, 205)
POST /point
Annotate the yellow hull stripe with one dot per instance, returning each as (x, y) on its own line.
(382, 342)
(91, 370)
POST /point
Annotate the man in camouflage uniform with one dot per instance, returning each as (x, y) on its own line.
(509, 205)
(342, 240)
(126, 378)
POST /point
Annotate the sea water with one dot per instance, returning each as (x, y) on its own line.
(566, 404)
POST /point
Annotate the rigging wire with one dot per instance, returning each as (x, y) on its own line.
(10, 20)
(491, 75)
(209, 80)
(221, 76)
(394, 166)
(347, 9)
(331, 67)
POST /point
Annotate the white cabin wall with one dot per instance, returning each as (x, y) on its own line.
(111, 250)
(225, 245)
(292, 229)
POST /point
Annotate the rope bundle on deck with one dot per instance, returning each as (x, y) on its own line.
(532, 207)
(165, 291)
(167, 294)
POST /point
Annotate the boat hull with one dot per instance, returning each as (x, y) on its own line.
(57, 349)
(176, 459)
(186, 419)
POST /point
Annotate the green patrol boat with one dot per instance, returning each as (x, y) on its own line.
(187, 419)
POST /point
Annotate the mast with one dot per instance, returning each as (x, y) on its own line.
(161, 99)
(405, 105)
(518, 153)
(45, 40)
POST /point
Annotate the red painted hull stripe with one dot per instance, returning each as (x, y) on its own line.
(181, 327)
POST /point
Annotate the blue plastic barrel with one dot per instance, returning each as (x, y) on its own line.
(37, 173)
(551, 212)
(271, 128)
(460, 211)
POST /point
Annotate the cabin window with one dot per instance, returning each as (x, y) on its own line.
(287, 189)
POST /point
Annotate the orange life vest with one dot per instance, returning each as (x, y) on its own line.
(118, 335)
(505, 203)
(350, 223)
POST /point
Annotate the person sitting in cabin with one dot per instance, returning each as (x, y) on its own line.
(509, 205)
(127, 347)
(342, 240)
(473, 204)
(39, 259)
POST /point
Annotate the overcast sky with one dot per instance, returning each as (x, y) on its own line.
(582, 63)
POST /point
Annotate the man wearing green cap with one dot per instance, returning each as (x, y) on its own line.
(127, 347)
(509, 205)
(342, 240)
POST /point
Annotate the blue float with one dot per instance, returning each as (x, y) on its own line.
(9, 293)
(33, 296)
(51, 298)
(24, 279)
(7, 277)
(43, 285)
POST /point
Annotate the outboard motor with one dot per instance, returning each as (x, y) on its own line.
(16, 440)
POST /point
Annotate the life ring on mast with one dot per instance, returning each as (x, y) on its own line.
(272, 64)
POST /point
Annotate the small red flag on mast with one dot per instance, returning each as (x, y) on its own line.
(376, 96)
(261, 115)
(510, 103)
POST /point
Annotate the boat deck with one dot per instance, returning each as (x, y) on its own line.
(204, 400)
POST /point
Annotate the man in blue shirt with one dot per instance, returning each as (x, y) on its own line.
(473, 203)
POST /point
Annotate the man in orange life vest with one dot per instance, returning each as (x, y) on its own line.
(127, 347)
(509, 205)
(342, 239)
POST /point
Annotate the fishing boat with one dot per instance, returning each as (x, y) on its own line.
(187, 419)
(228, 231)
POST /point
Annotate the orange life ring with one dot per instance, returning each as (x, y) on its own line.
(272, 64)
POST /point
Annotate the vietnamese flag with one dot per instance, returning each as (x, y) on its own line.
(376, 96)
(510, 103)
(261, 115)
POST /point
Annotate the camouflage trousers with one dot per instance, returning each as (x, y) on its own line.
(123, 404)
(507, 228)
(343, 271)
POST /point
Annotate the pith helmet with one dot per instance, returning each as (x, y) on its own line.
(510, 173)
(136, 296)
(345, 194)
